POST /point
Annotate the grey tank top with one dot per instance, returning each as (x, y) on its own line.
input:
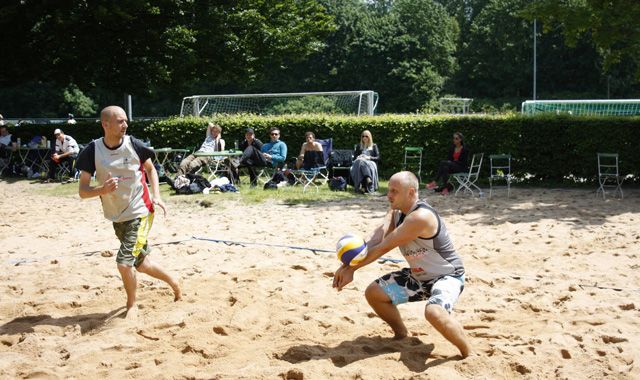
(132, 199)
(434, 257)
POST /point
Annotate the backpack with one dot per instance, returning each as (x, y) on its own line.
(338, 184)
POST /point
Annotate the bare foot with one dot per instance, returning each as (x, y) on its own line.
(469, 354)
(131, 313)
(177, 294)
(399, 335)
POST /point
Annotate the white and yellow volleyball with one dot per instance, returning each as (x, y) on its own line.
(351, 249)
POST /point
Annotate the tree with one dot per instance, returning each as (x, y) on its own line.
(612, 25)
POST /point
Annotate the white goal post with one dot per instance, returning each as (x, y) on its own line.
(455, 105)
(599, 107)
(333, 102)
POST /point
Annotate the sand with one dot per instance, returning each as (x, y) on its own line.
(552, 291)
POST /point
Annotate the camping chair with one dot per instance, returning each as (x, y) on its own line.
(314, 167)
(609, 174)
(500, 170)
(467, 181)
(67, 171)
(413, 159)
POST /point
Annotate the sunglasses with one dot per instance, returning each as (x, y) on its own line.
(363, 136)
(275, 134)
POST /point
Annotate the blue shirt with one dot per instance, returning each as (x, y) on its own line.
(277, 150)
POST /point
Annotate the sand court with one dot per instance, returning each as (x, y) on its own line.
(553, 290)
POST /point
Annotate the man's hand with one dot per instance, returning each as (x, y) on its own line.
(110, 185)
(267, 156)
(56, 156)
(343, 276)
(158, 202)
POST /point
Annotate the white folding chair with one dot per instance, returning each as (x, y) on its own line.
(500, 170)
(609, 174)
(467, 181)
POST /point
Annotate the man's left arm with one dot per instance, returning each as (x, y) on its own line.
(155, 184)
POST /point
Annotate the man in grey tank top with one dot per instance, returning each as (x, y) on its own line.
(435, 272)
(121, 164)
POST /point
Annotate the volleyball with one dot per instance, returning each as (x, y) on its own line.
(351, 249)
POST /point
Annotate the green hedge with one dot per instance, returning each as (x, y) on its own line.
(547, 147)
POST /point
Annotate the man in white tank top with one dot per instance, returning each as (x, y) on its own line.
(435, 272)
(121, 164)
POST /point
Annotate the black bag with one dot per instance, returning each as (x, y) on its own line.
(197, 184)
(340, 158)
(338, 184)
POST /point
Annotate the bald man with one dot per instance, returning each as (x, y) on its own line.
(435, 272)
(121, 163)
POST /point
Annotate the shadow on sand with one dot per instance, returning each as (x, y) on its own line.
(413, 352)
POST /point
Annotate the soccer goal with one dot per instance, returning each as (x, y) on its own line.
(337, 102)
(622, 107)
(455, 105)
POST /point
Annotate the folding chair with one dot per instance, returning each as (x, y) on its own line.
(413, 158)
(314, 171)
(467, 181)
(67, 171)
(609, 174)
(500, 170)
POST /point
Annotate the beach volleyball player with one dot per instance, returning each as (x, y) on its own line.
(435, 272)
(121, 164)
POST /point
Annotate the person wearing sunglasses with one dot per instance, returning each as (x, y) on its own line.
(364, 170)
(456, 163)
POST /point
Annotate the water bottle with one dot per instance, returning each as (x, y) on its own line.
(19, 143)
(235, 145)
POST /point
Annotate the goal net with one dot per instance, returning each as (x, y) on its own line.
(337, 102)
(455, 105)
(624, 107)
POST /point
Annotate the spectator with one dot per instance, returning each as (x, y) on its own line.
(364, 170)
(8, 143)
(65, 151)
(251, 156)
(456, 163)
(310, 145)
(70, 119)
(272, 154)
(213, 142)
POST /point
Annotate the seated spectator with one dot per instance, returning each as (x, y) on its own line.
(456, 163)
(213, 142)
(272, 154)
(66, 150)
(310, 145)
(8, 143)
(364, 170)
(251, 155)
(71, 119)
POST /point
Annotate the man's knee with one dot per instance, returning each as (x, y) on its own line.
(374, 293)
(435, 313)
